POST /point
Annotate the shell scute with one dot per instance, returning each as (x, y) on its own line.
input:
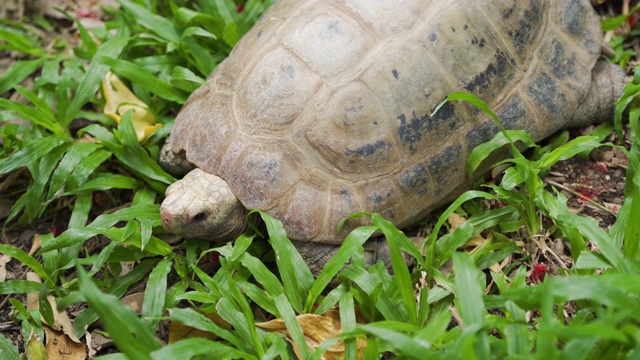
(274, 91)
(326, 40)
(262, 174)
(353, 134)
(207, 148)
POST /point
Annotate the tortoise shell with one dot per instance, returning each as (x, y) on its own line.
(324, 108)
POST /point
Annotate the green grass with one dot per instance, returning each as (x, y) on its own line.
(164, 51)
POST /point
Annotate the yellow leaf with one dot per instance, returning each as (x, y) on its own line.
(119, 100)
(61, 347)
(35, 349)
(316, 329)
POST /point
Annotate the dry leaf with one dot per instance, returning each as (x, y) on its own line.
(134, 301)
(126, 267)
(179, 331)
(61, 347)
(98, 341)
(119, 100)
(475, 241)
(62, 321)
(4, 259)
(32, 298)
(88, 341)
(316, 330)
(613, 207)
(36, 244)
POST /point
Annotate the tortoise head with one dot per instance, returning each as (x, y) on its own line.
(202, 205)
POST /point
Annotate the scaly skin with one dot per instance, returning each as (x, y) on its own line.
(202, 205)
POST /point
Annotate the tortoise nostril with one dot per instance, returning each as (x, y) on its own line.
(166, 219)
(199, 217)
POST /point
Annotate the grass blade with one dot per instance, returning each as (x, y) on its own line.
(8, 351)
(129, 333)
(348, 322)
(18, 72)
(590, 229)
(155, 293)
(469, 296)
(198, 321)
(19, 287)
(351, 244)
(189, 348)
(145, 79)
(25, 259)
(296, 277)
(159, 25)
(402, 278)
(93, 76)
(74, 155)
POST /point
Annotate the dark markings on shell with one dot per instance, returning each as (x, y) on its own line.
(346, 196)
(333, 29)
(560, 66)
(414, 177)
(368, 150)
(522, 34)
(395, 73)
(376, 198)
(574, 15)
(433, 37)
(505, 14)
(546, 93)
(513, 114)
(483, 80)
(287, 72)
(412, 131)
(481, 134)
(465, 27)
(453, 29)
(443, 165)
(271, 168)
(354, 108)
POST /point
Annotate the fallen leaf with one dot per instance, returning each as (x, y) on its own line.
(126, 267)
(119, 100)
(316, 330)
(35, 349)
(4, 259)
(36, 244)
(613, 207)
(32, 298)
(62, 321)
(475, 241)
(134, 301)
(61, 347)
(98, 341)
(179, 331)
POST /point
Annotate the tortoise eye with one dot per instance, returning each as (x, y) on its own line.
(199, 217)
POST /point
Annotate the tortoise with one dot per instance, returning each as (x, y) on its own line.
(324, 109)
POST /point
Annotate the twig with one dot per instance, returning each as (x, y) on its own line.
(593, 203)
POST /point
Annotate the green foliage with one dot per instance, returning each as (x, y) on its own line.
(164, 50)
